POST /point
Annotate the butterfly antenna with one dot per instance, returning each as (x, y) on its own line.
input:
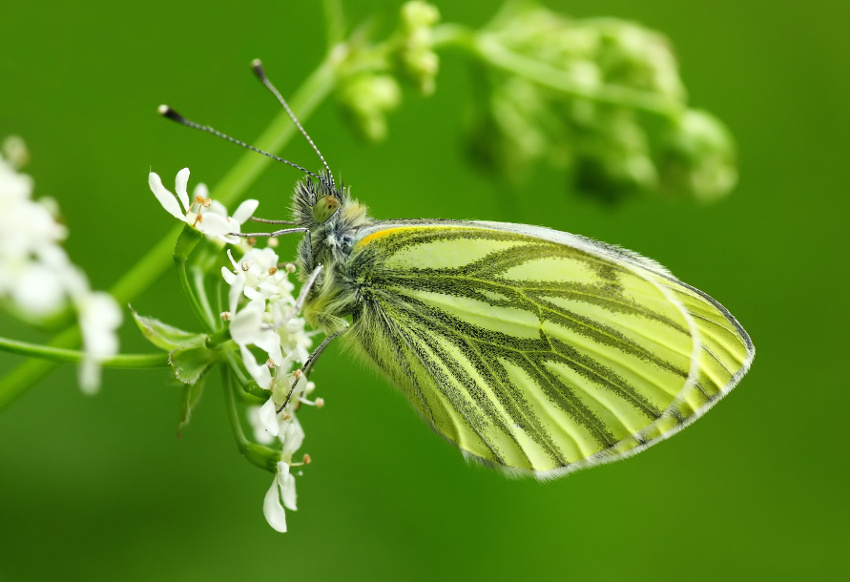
(168, 112)
(257, 66)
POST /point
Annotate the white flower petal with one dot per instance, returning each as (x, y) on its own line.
(100, 317)
(247, 328)
(214, 225)
(269, 342)
(268, 418)
(180, 184)
(287, 487)
(13, 184)
(229, 276)
(217, 208)
(247, 323)
(259, 372)
(253, 294)
(166, 198)
(38, 290)
(235, 292)
(272, 508)
(292, 439)
(201, 191)
(88, 375)
(245, 211)
(261, 435)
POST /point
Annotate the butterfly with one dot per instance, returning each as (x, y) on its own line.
(531, 350)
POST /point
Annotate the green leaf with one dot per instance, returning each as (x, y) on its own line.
(190, 363)
(166, 336)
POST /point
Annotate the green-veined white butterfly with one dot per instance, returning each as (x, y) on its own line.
(532, 350)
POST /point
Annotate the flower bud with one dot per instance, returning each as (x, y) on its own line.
(699, 157)
(416, 58)
(367, 99)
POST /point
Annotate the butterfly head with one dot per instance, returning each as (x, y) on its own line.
(316, 201)
(331, 216)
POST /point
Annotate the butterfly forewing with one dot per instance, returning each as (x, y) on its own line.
(535, 350)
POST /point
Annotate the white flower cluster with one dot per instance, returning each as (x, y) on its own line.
(36, 276)
(263, 315)
(268, 323)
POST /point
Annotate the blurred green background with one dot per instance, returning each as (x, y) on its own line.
(102, 488)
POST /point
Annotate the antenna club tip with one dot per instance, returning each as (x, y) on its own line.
(257, 66)
(169, 113)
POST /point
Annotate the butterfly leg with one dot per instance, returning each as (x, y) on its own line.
(302, 297)
(303, 229)
(271, 234)
(308, 365)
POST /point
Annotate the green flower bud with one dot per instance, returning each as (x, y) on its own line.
(367, 99)
(415, 56)
(698, 157)
(509, 135)
(419, 14)
(614, 161)
(639, 58)
(14, 149)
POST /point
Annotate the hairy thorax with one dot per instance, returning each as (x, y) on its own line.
(333, 299)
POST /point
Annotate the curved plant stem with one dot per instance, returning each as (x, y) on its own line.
(201, 294)
(157, 360)
(186, 243)
(232, 187)
(489, 49)
(262, 457)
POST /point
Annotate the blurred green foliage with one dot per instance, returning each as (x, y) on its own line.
(102, 488)
(599, 99)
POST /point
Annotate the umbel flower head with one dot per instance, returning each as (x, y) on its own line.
(263, 316)
(37, 279)
(266, 337)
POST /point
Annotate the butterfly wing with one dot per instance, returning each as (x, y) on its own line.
(534, 350)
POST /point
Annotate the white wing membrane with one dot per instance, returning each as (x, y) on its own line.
(534, 350)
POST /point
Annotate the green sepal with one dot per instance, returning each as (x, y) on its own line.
(191, 396)
(186, 242)
(189, 363)
(166, 336)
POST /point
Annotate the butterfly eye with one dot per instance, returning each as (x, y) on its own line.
(325, 208)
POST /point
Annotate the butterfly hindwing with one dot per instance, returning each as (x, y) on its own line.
(535, 350)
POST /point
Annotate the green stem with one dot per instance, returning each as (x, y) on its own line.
(250, 392)
(335, 22)
(186, 243)
(232, 187)
(262, 457)
(218, 338)
(75, 356)
(25, 375)
(489, 49)
(203, 299)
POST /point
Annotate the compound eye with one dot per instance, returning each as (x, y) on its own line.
(325, 208)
